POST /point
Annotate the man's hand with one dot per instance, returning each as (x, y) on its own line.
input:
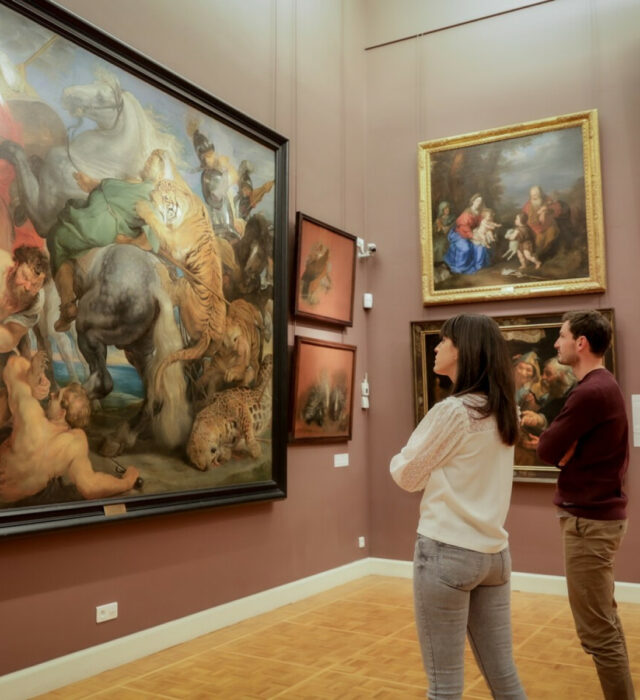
(130, 476)
(531, 419)
(139, 241)
(36, 376)
(85, 182)
(239, 226)
(568, 454)
(530, 442)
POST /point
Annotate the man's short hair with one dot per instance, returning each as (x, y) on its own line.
(593, 326)
(78, 410)
(35, 258)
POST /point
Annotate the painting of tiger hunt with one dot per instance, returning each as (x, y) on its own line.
(142, 267)
(512, 212)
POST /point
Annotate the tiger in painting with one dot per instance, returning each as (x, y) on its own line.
(179, 220)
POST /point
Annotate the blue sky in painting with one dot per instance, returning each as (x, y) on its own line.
(553, 160)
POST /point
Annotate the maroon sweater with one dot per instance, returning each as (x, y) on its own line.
(590, 484)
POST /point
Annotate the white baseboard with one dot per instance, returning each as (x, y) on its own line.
(56, 673)
(529, 583)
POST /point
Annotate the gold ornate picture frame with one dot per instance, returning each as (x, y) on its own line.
(512, 212)
(542, 385)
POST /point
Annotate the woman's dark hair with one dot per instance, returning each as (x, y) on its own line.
(484, 367)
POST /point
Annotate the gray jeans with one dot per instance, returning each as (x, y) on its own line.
(459, 592)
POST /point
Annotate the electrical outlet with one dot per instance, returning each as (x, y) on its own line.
(109, 611)
(361, 542)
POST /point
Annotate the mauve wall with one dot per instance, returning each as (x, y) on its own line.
(555, 58)
(297, 67)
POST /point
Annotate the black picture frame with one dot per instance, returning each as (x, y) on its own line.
(322, 389)
(77, 38)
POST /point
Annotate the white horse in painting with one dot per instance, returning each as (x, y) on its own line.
(124, 136)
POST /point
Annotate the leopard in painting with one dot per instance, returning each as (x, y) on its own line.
(233, 416)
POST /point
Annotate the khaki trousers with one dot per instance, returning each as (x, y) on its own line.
(589, 552)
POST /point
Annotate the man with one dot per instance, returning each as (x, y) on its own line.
(542, 213)
(556, 382)
(217, 178)
(526, 374)
(42, 446)
(108, 216)
(248, 196)
(588, 440)
(21, 296)
(38, 381)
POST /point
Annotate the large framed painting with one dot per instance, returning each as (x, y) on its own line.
(541, 382)
(512, 212)
(325, 272)
(322, 391)
(143, 229)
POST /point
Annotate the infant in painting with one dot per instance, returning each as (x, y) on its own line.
(483, 234)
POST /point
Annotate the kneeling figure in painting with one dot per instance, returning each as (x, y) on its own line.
(43, 446)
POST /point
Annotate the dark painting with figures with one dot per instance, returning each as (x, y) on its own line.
(137, 260)
(512, 212)
(542, 384)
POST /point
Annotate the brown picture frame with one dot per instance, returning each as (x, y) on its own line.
(530, 338)
(322, 391)
(324, 272)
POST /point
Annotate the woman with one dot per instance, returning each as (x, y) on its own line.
(463, 255)
(526, 374)
(461, 454)
(441, 226)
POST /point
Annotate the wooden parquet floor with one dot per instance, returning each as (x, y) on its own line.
(354, 642)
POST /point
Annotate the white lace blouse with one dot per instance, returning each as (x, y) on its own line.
(466, 472)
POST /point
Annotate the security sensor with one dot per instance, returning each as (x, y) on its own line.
(366, 250)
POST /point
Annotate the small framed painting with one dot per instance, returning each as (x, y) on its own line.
(325, 272)
(322, 399)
